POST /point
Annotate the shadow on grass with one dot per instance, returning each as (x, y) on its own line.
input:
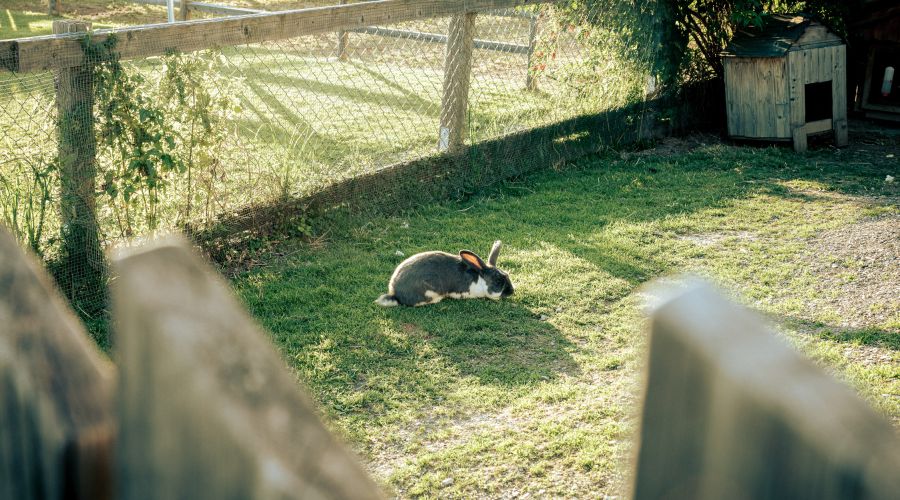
(18, 24)
(274, 121)
(868, 336)
(583, 238)
(501, 343)
(322, 316)
(404, 101)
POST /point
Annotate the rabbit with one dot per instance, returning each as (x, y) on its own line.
(429, 277)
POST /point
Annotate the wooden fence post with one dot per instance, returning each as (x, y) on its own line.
(457, 74)
(183, 11)
(343, 40)
(56, 424)
(207, 410)
(531, 77)
(83, 261)
(731, 411)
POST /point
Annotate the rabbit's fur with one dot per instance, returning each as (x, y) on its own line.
(429, 277)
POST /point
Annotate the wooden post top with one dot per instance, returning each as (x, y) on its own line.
(61, 26)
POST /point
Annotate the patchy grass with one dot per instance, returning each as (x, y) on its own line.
(536, 394)
(24, 18)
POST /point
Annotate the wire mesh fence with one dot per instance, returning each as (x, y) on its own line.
(104, 144)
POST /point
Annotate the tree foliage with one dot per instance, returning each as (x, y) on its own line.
(680, 40)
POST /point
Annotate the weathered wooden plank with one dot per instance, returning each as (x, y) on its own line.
(49, 52)
(56, 426)
(782, 104)
(765, 101)
(457, 73)
(731, 114)
(731, 411)
(839, 96)
(343, 41)
(530, 75)
(826, 64)
(817, 126)
(749, 103)
(184, 12)
(797, 89)
(811, 64)
(77, 148)
(754, 82)
(207, 408)
(8, 55)
(751, 98)
(739, 97)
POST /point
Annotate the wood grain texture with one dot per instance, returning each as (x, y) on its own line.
(731, 411)
(51, 52)
(208, 409)
(839, 96)
(765, 97)
(742, 97)
(731, 110)
(530, 75)
(56, 425)
(818, 126)
(184, 12)
(457, 75)
(782, 104)
(796, 63)
(77, 151)
(343, 40)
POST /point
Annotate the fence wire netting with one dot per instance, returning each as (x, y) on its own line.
(113, 146)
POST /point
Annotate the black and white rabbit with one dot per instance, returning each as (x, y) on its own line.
(429, 277)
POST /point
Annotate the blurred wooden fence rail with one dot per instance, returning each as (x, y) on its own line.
(56, 422)
(731, 412)
(205, 409)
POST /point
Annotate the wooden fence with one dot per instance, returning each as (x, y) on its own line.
(202, 407)
(64, 54)
(342, 41)
(731, 411)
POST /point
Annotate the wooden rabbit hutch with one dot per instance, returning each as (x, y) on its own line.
(785, 81)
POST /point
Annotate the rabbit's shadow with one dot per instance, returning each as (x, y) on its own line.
(497, 342)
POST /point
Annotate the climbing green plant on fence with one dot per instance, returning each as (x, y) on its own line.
(196, 97)
(27, 197)
(161, 131)
(136, 142)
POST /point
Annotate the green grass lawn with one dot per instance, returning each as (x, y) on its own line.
(537, 393)
(24, 18)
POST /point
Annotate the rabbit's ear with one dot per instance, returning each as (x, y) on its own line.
(495, 252)
(472, 260)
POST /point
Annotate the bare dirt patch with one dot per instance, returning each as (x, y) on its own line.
(858, 271)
